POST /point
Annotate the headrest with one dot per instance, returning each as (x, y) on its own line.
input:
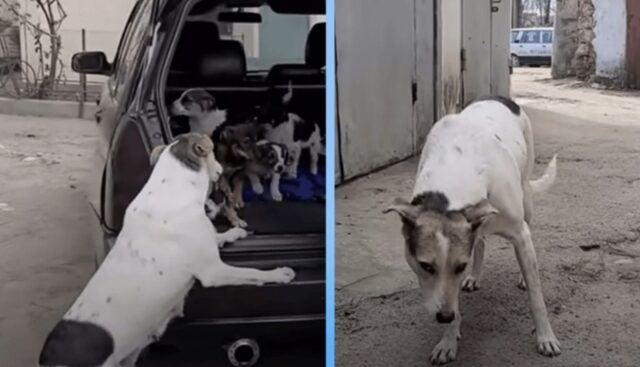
(225, 62)
(315, 50)
(196, 38)
(282, 74)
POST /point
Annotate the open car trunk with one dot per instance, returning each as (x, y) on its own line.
(287, 233)
(205, 35)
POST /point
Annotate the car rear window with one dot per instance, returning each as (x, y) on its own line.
(278, 39)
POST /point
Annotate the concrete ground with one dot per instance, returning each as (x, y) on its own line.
(592, 294)
(45, 251)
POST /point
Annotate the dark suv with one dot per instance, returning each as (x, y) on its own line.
(258, 48)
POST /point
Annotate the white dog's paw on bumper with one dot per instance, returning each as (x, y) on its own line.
(548, 346)
(470, 284)
(283, 275)
(445, 352)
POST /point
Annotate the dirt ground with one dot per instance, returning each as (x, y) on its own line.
(45, 251)
(586, 230)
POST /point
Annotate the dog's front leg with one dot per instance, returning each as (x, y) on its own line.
(238, 185)
(221, 274)
(256, 185)
(471, 282)
(231, 235)
(547, 342)
(232, 215)
(276, 195)
(447, 349)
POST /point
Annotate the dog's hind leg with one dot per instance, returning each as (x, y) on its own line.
(520, 236)
(528, 214)
(219, 275)
(471, 282)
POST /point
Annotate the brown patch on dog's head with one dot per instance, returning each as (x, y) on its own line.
(439, 243)
(195, 151)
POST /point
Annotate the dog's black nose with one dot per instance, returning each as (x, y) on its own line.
(445, 317)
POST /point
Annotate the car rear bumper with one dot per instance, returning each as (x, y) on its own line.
(535, 60)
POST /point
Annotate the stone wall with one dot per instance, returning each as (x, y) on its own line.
(585, 56)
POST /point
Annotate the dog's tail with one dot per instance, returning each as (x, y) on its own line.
(548, 178)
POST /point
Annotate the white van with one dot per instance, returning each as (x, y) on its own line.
(531, 46)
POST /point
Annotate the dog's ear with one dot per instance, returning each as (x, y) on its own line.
(208, 103)
(203, 147)
(408, 213)
(155, 154)
(479, 214)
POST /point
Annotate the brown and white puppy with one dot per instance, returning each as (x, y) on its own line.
(234, 147)
(200, 107)
(267, 159)
(473, 180)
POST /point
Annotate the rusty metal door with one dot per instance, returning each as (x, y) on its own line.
(633, 44)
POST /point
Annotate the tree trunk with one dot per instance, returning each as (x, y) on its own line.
(516, 18)
(49, 78)
(547, 13)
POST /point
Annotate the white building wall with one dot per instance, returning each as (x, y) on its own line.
(610, 42)
(103, 21)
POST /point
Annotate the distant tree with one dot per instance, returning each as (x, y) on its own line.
(541, 10)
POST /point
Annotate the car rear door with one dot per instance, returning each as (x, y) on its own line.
(115, 114)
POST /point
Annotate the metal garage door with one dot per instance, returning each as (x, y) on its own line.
(375, 69)
(485, 41)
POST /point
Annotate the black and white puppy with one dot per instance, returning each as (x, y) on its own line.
(167, 243)
(201, 109)
(296, 134)
(269, 160)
